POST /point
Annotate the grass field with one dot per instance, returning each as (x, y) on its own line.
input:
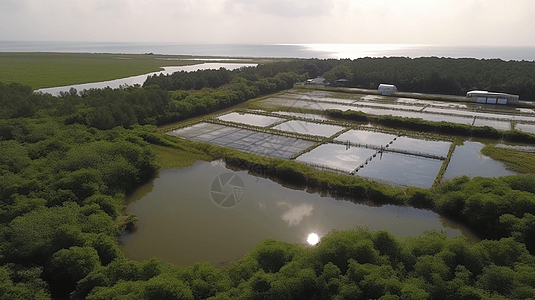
(42, 70)
(168, 158)
(522, 162)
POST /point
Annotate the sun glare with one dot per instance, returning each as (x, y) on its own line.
(313, 239)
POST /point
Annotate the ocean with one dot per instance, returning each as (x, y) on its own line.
(322, 51)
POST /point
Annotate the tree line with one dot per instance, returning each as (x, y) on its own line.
(438, 75)
(345, 265)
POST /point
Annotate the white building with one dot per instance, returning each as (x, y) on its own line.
(387, 89)
(491, 97)
(316, 81)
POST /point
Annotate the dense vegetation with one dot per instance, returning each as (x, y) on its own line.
(67, 162)
(345, 265)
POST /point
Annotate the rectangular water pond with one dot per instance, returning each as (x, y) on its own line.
(302, 115)
(467, 113)
(390, 106)
(245, 140)
(429, 102)
(366, 137)
(402, 169)
(250, 119)
(526, 110)
(337, 157)
(530, 128)
(524, 118)
(309, 128)
(196, 130)
(296, 104)
(423, 146)
(499, 125)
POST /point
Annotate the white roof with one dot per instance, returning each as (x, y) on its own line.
(488, 93)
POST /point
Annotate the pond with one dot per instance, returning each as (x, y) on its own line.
(303, 115)
(181, 224)
(250, 119)
(467, 113)
(424, 146)
(391, 106)
(433, 114)
(529, 128)
(430, 102)
(524, 118)
(526, 110)
(499, 125)
(468, 160)
(309, 128)
(297, 104)
(366, 137)
(140, 79)
(338, 157)
(245, 140)
(406, 170)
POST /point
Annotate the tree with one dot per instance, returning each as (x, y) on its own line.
(339, 72)
(67, 266)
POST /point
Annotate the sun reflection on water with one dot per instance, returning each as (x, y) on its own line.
(313, 239)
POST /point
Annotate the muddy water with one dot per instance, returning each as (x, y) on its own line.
(181, 224)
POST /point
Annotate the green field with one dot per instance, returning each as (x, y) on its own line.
(42, 70)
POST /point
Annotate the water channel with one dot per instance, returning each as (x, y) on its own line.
(181, 224)
(140, 79)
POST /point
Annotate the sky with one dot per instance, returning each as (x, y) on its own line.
(430, 22)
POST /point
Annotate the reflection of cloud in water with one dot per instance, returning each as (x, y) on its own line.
(295, 214)
(349, 157)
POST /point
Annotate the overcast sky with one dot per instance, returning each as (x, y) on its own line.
(444, 22)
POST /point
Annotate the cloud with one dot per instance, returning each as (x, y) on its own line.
(453, 22)
(280, 8)
(12, 6)
(295, 214)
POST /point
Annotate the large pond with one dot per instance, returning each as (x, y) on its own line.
(140, 79)
(181, 224)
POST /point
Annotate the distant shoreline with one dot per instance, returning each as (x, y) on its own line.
(320, 51)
